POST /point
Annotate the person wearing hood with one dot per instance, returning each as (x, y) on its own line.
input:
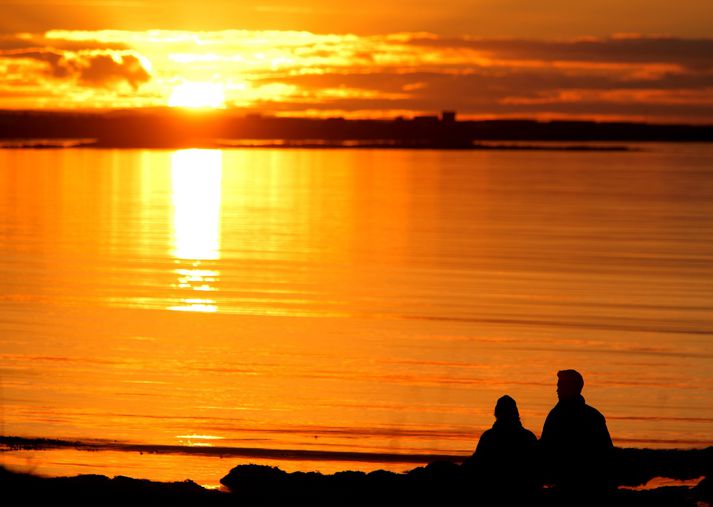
(504, 461)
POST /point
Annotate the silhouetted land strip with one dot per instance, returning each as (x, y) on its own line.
(19, 443)
(438, 483)
(170, 129)
(416, 144)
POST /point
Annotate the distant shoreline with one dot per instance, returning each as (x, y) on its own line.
(556, 146)
(45, 444)
(176, 129)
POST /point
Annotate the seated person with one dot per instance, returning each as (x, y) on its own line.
(575, 442)
(504, 461)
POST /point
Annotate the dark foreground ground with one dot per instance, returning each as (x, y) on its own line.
(440, 483)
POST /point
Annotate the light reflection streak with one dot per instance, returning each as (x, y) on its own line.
(203, 440)
(196, 178)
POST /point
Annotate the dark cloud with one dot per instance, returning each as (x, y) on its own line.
(389, 81)
(482, 106)
(692, 53)
(111, 69)
(8, 42)
(40, 42)
(513, 91)
(17, 93)
(610, 76)
(103, 69)
(52, 59)
(484, 82)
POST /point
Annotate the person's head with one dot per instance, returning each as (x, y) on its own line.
(506, 410)
(569, 384)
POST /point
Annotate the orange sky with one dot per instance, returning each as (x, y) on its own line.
(488, 18)
(487, 58)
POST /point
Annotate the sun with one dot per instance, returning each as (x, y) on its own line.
(197, 95)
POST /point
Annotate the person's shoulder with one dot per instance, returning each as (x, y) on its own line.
(554, 410)
(593, 412)
(528, 435)
(487, 434)
(590, 409)
(486, 442)
(554, 413)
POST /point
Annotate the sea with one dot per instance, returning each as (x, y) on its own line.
(171, 314)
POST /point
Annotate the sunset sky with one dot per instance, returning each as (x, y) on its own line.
(631, 59)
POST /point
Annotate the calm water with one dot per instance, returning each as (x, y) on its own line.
(339, 300)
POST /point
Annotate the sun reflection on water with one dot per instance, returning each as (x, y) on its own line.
(196, 177)
(202, 440)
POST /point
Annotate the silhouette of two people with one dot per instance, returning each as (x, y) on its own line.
(574, 453)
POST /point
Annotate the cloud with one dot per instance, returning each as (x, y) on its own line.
(41, 41)
(664, 79)
(691, 53)
(90, 68)
(290, 72)
(510, 91)
(109, 69)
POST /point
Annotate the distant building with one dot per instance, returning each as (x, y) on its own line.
(448, 116)
(426, 119)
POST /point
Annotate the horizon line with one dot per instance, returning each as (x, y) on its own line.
(236, 112)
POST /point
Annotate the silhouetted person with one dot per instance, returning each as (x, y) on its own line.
(504, 459)
(575, 441)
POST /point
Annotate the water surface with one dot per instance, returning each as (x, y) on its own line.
(348, 300)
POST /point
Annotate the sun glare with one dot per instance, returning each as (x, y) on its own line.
(197, 95)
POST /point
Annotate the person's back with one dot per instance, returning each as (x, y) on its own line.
(504, 460)
(575, 441)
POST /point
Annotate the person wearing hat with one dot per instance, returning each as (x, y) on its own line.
(575, 442)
